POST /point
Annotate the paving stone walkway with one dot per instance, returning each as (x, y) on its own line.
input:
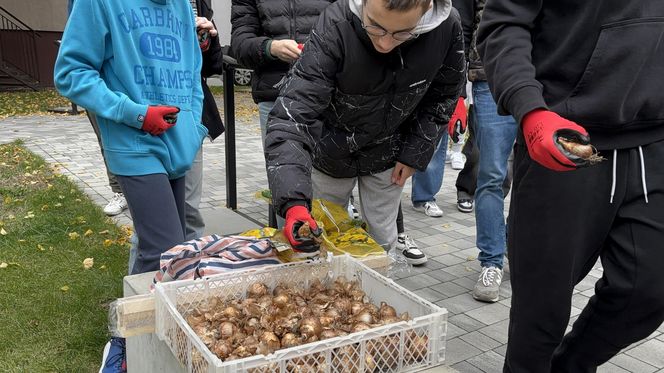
(477, 332)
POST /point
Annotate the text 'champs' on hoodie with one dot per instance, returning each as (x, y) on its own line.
(117, 58)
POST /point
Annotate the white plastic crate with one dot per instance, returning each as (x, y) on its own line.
(384, 349)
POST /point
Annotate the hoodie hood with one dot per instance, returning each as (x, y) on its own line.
(430, 20)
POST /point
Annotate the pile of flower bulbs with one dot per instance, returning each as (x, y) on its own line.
(267, 321)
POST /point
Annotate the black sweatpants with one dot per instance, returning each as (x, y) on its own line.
(157, 209)
(560, 223)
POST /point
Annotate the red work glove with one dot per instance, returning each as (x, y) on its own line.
(296, 216)
(204, 40)
(541, 129)
(300, 46)
(158, 119)
(458, 121)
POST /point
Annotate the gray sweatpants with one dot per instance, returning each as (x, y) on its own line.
(379, 200)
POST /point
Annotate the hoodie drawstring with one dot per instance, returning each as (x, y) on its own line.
(613, 179)
(643, 174)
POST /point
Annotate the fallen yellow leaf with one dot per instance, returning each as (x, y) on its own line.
(108, 243)
(58, 204)
(88, 263)
(105, 231)
(103, 266)
(3, 231)
(65, 288)
(40, 247)
(4, 265)
(73, 235)
(88, 232)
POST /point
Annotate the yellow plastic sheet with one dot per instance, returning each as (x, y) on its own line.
(341, 234)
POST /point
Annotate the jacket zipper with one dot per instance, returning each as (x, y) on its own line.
(292, 9)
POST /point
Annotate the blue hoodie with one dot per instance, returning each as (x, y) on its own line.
(116, 58)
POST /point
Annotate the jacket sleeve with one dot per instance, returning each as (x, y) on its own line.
(247, 36)
(466, 10)
(428, 123)
(213, 58)
(81, 55)
(295, 124)
(505, 44)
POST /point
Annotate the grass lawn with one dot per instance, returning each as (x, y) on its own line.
(53, 310)
(29, 102)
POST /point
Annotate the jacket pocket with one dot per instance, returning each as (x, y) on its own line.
(621, 84)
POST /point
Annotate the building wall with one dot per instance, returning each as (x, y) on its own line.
(222, 19)
(40, 15)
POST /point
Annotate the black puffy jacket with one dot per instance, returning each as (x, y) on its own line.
(212, 64)
(254, 22)
(349, 110)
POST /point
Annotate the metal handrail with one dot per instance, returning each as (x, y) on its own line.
(25, 58)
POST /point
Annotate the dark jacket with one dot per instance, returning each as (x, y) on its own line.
(255, 22)
(212, 65)
(471, 14)
(597, 63)
(353, 111)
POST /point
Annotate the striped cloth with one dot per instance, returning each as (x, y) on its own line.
(214, 254)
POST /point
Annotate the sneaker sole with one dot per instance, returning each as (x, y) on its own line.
(486, 300)
(416, 262)
(422, 210)
(464, 209)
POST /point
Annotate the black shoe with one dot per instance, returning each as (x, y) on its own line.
(465, 205)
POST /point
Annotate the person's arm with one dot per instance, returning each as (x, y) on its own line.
(196, 88)
(429, 121)
(80, 58)
(294, 125)
(248, 41)
(505, 44)
(466, 10)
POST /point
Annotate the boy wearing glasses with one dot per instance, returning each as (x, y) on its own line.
(367, 102)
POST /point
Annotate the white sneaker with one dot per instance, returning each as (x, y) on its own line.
(429, 209)
(448, 156)
(457, 160)
(352, 211)
(116, 205)
(409, 250)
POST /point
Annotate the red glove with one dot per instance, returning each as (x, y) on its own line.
(204, 40)
(296, 216)
(158, 119)
(300, 46)
(541, 129)
(458, 121)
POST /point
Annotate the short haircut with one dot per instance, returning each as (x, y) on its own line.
(404, 5)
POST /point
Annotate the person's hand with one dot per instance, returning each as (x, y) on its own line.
(159, 119)
(458, 121)
(286, 50)
(296, 217)
(401, 173)
(205, 30)
(541, 129)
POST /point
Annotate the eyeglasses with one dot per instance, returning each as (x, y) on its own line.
(379, 31)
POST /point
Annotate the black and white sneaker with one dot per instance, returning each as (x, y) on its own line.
(410, 251)
(465, 205)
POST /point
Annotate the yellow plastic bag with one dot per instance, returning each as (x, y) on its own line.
(341, 234)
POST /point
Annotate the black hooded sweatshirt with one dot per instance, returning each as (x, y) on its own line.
(597, 63)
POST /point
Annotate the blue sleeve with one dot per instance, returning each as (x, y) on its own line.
(80, 58)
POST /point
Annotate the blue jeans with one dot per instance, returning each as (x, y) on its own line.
(264, 109)
(495, 136)
(428, 182)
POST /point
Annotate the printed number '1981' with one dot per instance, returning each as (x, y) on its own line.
(160, 47)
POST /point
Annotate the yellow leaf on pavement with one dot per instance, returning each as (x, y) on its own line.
(88, 263)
